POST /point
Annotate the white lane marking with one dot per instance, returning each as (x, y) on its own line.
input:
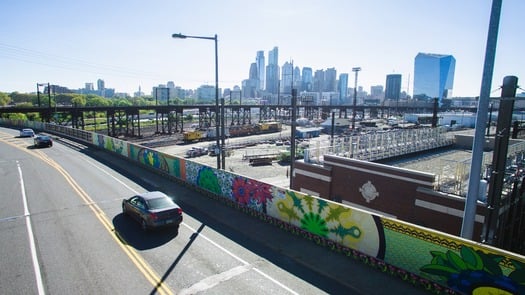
(116, 179)
(36, 265)
(240, 259)
(245, 263)
(214, 280)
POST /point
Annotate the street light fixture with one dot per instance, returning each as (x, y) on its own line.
(219, 112)
(356, 70)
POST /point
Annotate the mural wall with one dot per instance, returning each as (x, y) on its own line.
(440, 262)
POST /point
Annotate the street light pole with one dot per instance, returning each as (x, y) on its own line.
(356, 70)
(218, 111)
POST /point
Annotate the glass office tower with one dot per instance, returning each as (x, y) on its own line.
(272, 71)
(393, 86)
(433, 76)
(259, 59)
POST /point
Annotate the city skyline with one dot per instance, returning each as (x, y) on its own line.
(131, 46)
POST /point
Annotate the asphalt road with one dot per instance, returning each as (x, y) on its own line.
(63, 233)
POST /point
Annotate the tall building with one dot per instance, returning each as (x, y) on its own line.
(330, 80)
(296, 83)
(318, 81)
(376, 92)
(250, 86)
(343, 88)
(393, 86)
(433, 76)
(272, 71)
(100, 85)
(171, 91)
(307, 79)
(259, 59)
(287, 78)
(254, 74)
(161, 93)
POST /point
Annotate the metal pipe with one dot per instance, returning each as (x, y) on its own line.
(467, 226)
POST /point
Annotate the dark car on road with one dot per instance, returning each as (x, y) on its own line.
(153, 210)
(43, 141)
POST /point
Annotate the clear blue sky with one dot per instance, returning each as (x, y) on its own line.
(128, 43)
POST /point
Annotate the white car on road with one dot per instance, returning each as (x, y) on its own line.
(26, 132)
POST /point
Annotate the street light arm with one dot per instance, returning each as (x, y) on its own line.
(219, 110)
(181, 36)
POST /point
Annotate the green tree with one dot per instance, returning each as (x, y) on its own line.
(25, 97)
(188, 118)
(17, 116)
(190, 101)
(122, 103)
(24, 105)
(78, 100)
(4, 99)
(97, 101)
(138, 101)
(177, 101)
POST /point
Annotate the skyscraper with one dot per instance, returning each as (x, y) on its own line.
(343, 88)
(433, 76)
(254, 73)
(250, 86)
(393, 86)
(330, 80)
(296, 83)
(272, 71)
(307, 79)
(260, 68)
(100, 85)
(287, 73)
(318, 81)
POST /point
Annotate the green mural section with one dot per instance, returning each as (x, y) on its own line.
(171, 165)
(111, 144)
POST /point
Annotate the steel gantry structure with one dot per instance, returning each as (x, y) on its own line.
(169, 119)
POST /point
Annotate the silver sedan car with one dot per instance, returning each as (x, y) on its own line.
(26, 132)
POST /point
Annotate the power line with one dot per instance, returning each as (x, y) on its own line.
(69, 63)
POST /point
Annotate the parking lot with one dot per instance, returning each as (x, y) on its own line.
(238, 158)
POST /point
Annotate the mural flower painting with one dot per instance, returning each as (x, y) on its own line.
(329, 220)
(251, 193)
(474, 272)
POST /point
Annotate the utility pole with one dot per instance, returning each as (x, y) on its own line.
(49, 94)
(467, 227)
(499, 159)
(354, 111)
(292, 139)
(38, 93)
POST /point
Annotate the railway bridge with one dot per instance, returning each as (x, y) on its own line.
(131, 121)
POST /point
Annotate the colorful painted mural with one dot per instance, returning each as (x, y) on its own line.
(150, 158)
(475, 272)
(350, 227)
(111, 144)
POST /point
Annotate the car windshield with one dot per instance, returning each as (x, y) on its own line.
(159, 203)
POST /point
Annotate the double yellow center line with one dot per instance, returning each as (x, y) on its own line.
(142, 266)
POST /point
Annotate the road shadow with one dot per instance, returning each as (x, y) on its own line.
(129, 232)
